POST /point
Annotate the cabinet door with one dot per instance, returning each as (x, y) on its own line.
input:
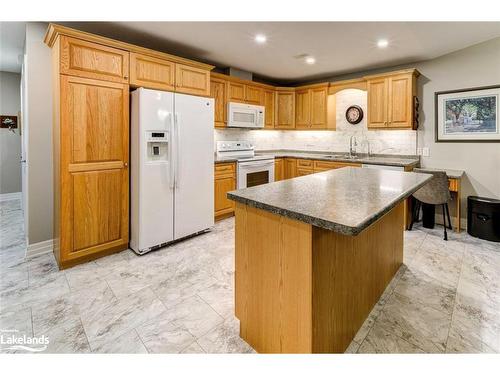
(218, 91)
(222, 186)
(278, 170)
(400, 101)
(151, 72)
(236, 92)
(319, 97)
(302, 109)
(290, 168)
(269, 105)
(191, 80)
(94, 186)
(91, 60)
(285, 110)
(253, 95)
(377, 103)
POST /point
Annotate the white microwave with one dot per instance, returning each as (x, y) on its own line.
(245, 116)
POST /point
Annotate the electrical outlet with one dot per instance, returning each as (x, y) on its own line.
(419, 150)
(425, 151)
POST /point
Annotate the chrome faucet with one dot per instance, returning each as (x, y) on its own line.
(352, 150)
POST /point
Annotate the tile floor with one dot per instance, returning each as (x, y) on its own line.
(445, 298)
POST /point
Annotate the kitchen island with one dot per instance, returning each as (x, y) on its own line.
(315, 253)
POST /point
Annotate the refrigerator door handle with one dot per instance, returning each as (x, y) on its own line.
(171, 167)
(177, 148)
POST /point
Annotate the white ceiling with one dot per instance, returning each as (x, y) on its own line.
(12, 35)
(339, 47)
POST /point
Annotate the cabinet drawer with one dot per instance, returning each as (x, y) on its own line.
(224, 169)
(304, 171)
(320, 165)
(91, 60)
(304, 163)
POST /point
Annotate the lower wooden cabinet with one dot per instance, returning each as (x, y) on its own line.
(91, 197)
(279, 172)
(290, 168)
(225, 181)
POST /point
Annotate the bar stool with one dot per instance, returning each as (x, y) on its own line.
(435, 192)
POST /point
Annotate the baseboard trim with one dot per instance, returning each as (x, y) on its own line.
(10, 196)
(40, 248)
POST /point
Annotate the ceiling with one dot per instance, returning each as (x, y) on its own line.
(12, 35)
(339, 47)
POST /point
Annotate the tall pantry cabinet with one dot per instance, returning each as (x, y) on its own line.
(91, 150)
(92, 77)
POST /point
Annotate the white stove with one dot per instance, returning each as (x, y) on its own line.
(253, 169)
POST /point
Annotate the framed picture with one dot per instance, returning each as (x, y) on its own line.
(8, 122)
(468, 115)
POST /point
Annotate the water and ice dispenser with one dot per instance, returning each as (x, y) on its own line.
(157, 145)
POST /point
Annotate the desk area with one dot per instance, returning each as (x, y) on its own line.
(454, 184)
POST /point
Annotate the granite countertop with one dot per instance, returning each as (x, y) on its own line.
(391, 160)
(451, 173)
(345, 200)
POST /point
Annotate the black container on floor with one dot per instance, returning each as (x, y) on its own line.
(428, 215)
(483, 218)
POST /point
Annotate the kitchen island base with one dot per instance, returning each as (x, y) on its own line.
(304, 289)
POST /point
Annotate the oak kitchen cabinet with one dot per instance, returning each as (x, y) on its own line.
(311, 107)
(152, 72)
(91, 88)
(290, 168)
(91, 148)
(92, 60)
(279, 171)
(390, 100)
(225, 181)
(285, 108)
(218, 91)
(269, 101)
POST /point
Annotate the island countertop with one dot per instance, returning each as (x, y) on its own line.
(345, 200)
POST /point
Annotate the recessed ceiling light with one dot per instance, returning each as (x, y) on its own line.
(310, 60)
(382, 43)
(260, 38)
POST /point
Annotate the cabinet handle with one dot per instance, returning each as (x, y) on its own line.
(125, 164)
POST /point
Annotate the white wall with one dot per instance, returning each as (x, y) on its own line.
(10, 142)
(401, 142)
(39, 114)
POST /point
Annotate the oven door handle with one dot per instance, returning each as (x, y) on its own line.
(253, 165)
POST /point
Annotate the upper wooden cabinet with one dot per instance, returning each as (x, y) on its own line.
(319, 99)
(285, 108)
(253, 95)
(269, 106)
(390, 100)
(302, 109)
(236, 92)
(191, 80)
(311, 107)
(147, 71)
(91, 60)
(218, 91)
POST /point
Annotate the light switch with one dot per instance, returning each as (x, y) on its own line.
(425, 151)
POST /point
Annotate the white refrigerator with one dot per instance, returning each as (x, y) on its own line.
(172, 167)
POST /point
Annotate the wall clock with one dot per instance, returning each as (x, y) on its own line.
(354, 114)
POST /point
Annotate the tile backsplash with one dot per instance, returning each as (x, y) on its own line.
(401, 142)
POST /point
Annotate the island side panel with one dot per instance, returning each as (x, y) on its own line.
(350, 273)
(273, 286)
